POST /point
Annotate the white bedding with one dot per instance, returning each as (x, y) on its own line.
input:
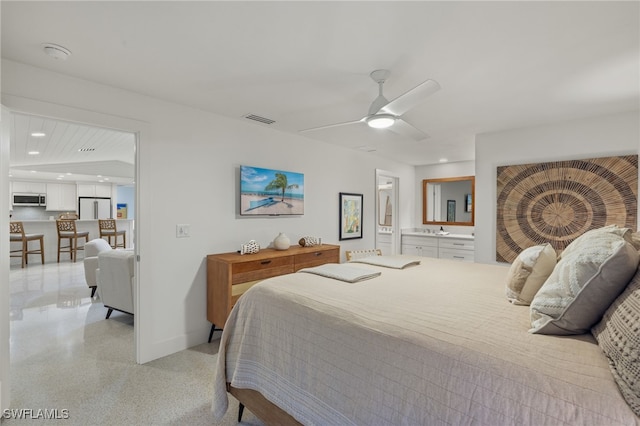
(433, 344)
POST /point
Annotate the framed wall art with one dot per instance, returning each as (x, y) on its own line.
(350, 216)
(451, 210)
(558, 201)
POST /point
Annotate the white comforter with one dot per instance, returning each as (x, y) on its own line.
(433, 344)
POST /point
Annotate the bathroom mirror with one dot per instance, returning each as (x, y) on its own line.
(448, 201)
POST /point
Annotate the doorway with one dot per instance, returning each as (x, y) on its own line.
(69, 138)
(387, 215)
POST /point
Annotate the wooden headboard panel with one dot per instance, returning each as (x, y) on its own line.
(557, 201)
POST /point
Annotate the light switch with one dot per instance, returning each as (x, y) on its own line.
(183, 231)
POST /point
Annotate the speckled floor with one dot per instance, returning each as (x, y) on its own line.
(66, 356)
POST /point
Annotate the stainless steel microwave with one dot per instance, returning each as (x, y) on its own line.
(22, 199)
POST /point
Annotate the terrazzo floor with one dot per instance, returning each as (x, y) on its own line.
(66, 356)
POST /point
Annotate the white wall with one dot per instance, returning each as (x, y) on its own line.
(4, 262)
(188, 174)
(437, 171)
(589, 138)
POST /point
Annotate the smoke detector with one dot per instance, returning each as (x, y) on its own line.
(56, 51)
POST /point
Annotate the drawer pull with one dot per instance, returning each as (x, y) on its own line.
(265, 262)
(318, 253)
(458, 244)
(458, 257)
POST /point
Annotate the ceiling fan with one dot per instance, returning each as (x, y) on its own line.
(388, 115)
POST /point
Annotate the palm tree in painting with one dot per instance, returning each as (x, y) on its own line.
(281, 183)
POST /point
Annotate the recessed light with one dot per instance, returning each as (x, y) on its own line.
(38, 134)
(99, 176)
(100, 181)
(58, 178)
(33, 171)
(56, 51)
(68, 174)
(443, 160)
(34, 152)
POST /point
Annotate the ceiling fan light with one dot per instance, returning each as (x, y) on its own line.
(381, 121)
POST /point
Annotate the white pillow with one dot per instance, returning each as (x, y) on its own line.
(528, 273)
(583, 285)
(624, 233)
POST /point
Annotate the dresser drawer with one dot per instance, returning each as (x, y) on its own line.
(451, 243)
(260, 269)
(316, 258)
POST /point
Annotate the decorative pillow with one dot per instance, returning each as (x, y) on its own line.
(583, 285)
(634, 239)
(528, 272)
(624, 233)
(618, 335)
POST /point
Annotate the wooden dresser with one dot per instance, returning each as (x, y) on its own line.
(229, 275)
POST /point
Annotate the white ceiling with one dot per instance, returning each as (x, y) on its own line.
(501, 65)
(69, 151)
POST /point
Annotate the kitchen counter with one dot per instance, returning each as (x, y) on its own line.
(48, 229)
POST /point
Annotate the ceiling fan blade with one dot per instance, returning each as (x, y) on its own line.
(413, 97)
(328, 126)
(405, 129)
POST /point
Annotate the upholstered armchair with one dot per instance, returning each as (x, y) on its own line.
(115, 277)
(91, 251)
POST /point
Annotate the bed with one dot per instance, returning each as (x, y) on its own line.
(431, 344)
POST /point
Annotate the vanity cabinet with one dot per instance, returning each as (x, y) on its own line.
(439, 246)
(384, 242)
(420, 246)
(456, 249)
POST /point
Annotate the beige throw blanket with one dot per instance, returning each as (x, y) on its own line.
(395, 262)
(342, 272)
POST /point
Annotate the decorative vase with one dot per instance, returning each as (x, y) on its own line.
(281, 242)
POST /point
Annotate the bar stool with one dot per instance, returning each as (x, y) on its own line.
(108, 229)
(16, 234)
(67, 230)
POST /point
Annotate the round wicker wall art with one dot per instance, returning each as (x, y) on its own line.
(556, 202)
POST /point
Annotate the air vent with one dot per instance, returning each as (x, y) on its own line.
(259, 119)
(87, 149)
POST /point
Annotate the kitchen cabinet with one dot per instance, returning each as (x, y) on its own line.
(29, 187)
(61, 197)
(91, 190)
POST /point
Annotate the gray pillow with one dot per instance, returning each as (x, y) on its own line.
(618, 334)
(583, 285)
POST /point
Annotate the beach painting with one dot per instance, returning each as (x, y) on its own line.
(270, 192)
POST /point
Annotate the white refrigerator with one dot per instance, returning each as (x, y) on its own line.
(94, 208)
